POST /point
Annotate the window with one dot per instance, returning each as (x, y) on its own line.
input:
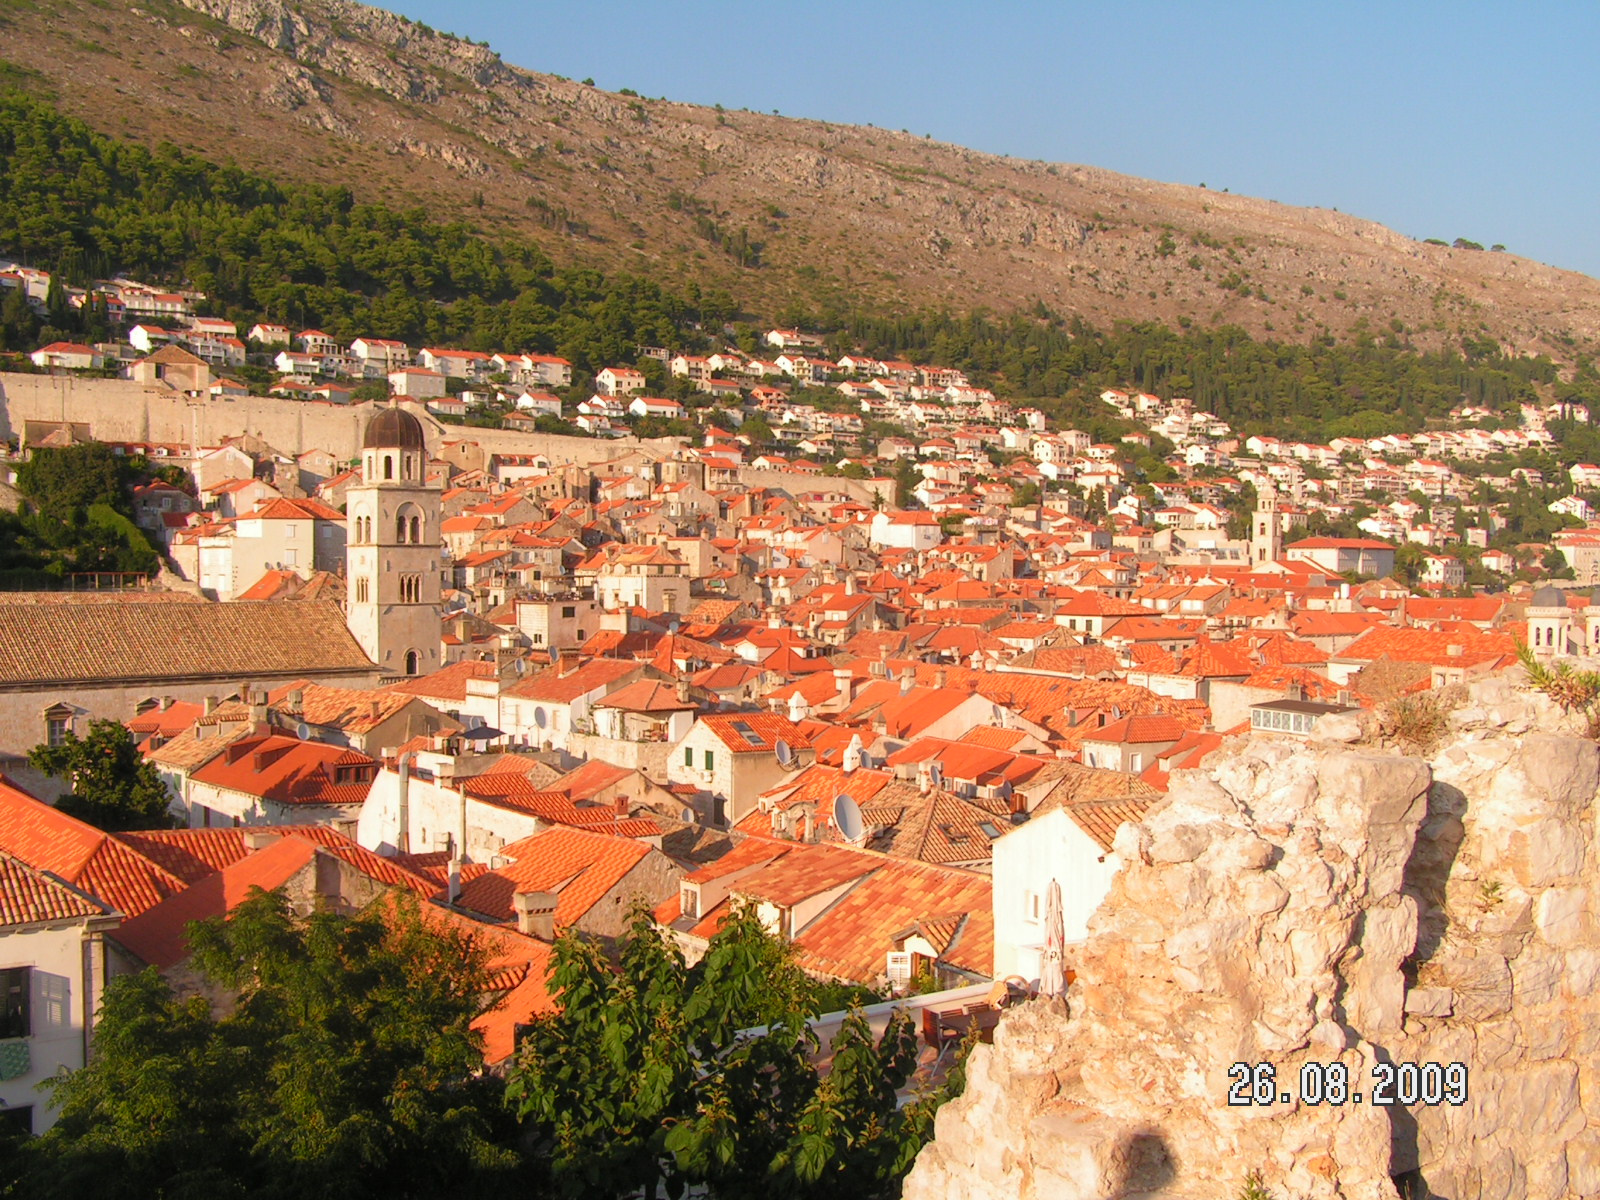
(388, 466)
(19, 1118)
(710, 760)
(14, 1017)
(56, 730)
(569, 610)
(1030, 907)
(411, 662)
(688, 756)
(361, 591)
(689, 902)
(291, 556)
(288, 530)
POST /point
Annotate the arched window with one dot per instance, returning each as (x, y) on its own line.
(416, 531)
(412, 662)
(388, 466)
(400, 528)
(361, 590)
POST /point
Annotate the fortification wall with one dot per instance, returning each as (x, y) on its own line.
(1400, 929)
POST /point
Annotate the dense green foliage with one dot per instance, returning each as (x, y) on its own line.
(1326, 389)
(113, 787)
(644, 1076)
(89, 206)
(76, 518)
(347, 1070)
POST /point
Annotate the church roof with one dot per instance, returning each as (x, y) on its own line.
(394, 428)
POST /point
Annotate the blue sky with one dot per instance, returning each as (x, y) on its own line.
(1452, 120)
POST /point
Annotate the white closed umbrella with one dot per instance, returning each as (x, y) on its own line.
(1052, 969)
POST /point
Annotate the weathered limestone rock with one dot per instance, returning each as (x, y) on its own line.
(1302, 907)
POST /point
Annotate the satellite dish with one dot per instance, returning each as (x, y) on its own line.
(936, 774)
(847, 818)
(540, 718)
(784, 753)
(302, 731)
(998, 713)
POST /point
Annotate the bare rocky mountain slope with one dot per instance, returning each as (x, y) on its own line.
(1343, 905)
(342, 93)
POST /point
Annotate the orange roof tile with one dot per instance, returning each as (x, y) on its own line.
(577, 865)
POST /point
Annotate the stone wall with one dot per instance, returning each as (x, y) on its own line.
(1304, 907)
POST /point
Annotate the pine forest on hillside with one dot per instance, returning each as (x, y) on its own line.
(87, 206)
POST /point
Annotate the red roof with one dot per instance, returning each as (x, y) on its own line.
(287, 771)
(580, 867)
(158, 935)
(79, 854)
(29, 896)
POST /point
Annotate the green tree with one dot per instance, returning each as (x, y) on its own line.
(347, 1067)
(113, 787)
(646, 1075)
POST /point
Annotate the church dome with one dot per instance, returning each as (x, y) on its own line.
(394, 429)
(1549, 597)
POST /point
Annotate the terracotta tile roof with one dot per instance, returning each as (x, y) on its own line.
(765, 730)
(555, 688)
(584, 782)
(98, 644)
(195, 854)
(168, 722)
(580, 867)
(28, 896)
(206, 738)
(285, 770)
(1101, 819)
(850, 940)
(809, 872)
(1458, 647)
(447, 683)
(79, 854)
(158, 935)
(351, 710)
(1139, 730)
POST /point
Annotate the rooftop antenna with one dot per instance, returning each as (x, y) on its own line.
(847, 819)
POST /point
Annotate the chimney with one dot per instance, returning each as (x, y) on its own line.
(850, 584)
(566, 662)
(619, 807)
(907, 679)
(536, 914)
(453, 887)
(842, 681)
(210, 705)
(297, 701)
(683, 691)
(924, 778)
(1455, 650)
(166, 703)
(258, 838)
(940, 677)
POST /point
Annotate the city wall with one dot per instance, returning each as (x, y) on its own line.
(121, 410)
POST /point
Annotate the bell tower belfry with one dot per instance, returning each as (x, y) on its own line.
(393, 549)
(1266, 534)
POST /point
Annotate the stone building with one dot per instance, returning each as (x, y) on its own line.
(392, 529)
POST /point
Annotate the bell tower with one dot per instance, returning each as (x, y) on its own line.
(1266, 535)
(393, 549)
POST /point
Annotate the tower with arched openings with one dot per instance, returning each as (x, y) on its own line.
(393, 549)
(1266, 533)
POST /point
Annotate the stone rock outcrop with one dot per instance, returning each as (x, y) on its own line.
(1307, 907)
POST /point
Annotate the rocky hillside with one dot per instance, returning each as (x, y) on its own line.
(774, 209)
(1345, 906)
